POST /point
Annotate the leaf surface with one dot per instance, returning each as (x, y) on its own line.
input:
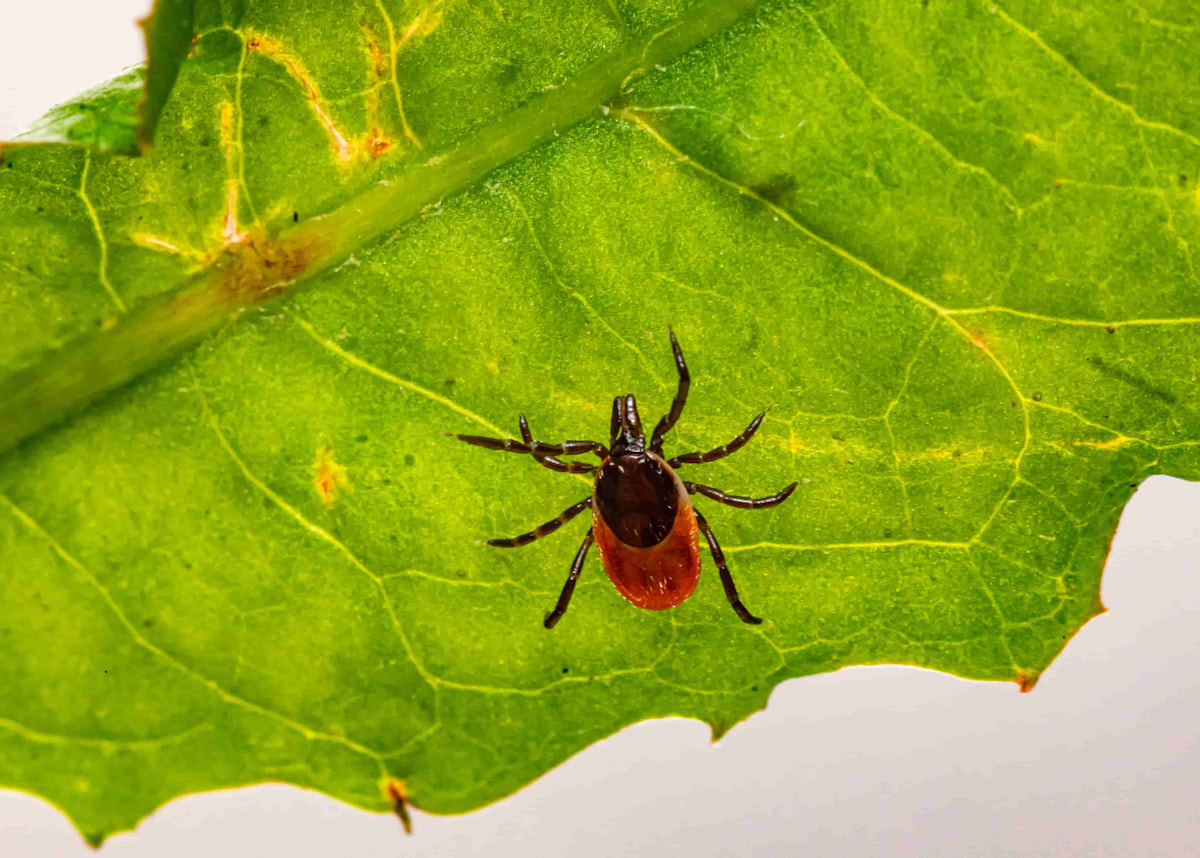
(950, 247)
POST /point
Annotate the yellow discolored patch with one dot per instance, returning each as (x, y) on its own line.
(1111, 444)
(1036, 141)
(424, 24)
(329, 478)
(231, 233)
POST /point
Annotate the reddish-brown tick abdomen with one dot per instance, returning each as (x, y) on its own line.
(657, 576)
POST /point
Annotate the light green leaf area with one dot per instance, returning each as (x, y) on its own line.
(950, 245)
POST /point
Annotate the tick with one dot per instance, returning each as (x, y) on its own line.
(643, 522)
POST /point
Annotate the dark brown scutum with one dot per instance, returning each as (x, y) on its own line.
(638, 497)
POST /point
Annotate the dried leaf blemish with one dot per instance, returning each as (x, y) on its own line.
(397, 794)
(329, 477)
(258, 267)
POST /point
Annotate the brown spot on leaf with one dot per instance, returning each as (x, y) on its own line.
(378, 143)
(258, 267)
(329, 478)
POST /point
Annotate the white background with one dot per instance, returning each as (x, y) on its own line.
(1101, 759)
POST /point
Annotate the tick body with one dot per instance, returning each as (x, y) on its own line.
(643, 522)
(645, 529)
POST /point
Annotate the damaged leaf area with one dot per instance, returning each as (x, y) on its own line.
(951, 245)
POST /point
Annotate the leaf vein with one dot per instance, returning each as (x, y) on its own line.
(209, 683)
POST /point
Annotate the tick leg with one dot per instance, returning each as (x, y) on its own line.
(508, 445)
(549, 461)
(566, 448)
(545, 529)
(737, 500)
(537, 449)
(568, 589)
(731, 592)
(721, 452)
(685, 381)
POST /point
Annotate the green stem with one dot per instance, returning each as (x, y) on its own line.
(85, 369)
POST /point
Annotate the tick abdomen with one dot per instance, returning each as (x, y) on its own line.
(646, 531)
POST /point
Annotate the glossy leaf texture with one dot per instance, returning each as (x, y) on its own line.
(950, 245)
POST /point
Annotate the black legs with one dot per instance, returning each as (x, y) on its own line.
(718, 555)
(669, 420)
(568, 589)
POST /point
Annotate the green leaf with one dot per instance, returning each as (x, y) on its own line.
(949, 245)
(109, 118)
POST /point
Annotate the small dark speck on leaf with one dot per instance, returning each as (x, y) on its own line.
(449, 382)
(264, 121)
(1013, 403)
(361, 439)
(887, 534)
(1111, 329)
(837, 436)
(754, 688)
(461, 573)
(410, 459)
(957, 454)
(206, 140)
(566, 670)
(295, 217)
(1037, 397)
(1183, 180)
(147, 623)
(776, 189)
(1133, 485)
(1057, 186)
